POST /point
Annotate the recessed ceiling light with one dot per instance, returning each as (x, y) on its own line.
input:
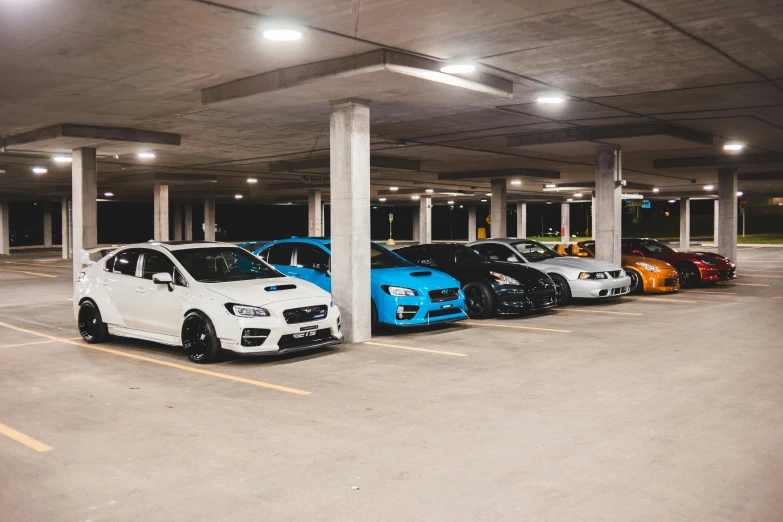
(429, 191)
(282, 30)
(483, 200)
(394, 188)
(570, 199)
(733, 146)
(550, 185)
(578, 195)
(414, 197)
(516, 181)
(488, 194)
(462, 206)
(63, 159)
(672, 201)
(550, 99)
(381, 199)
(40, 170)
(116, 156)
(548, 202)
(108, 194)
(450, 202)
(740, 193)
(252, 180)
(145, 155)
(656, 189)
(709, 187)
(458, 67)
(238, 196)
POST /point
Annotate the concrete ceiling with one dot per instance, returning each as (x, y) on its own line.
(710, 66)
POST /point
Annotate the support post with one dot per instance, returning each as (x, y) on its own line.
(521, 220)
(349, 144)
(177, 222)
(425, 220)
(85, 205)
(66, 228)
(565, 223)
(188, 221)
(498, 208)
(607, 213)
(685, 223)
(5, 229)
(727, 195)
(592, 217)
(161, 209)
(209, 218)
(314, 213)
(716, 222)
(47, 224)
(472, 227)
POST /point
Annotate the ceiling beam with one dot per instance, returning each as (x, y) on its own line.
(608, 132)
(92, 132)
(381, 162)
(718, 161)
(162, 177)
(501, 173)
(761, 176)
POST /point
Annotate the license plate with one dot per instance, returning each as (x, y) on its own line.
(446, 306)
(304, 334)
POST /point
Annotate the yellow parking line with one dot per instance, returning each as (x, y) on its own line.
(498, 325)
(710, 292)
(26, 272)
(162, 363)
(594, 311)
(21, 438)
(663, 299)
(39, 265)
(455, 354)
(35, 342)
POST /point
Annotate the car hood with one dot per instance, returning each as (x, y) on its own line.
(518, 271)
(578, 263)
(415, 277)
(260, 292)
(629, 260)
(709, 256)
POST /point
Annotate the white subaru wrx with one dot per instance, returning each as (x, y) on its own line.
(204, 297)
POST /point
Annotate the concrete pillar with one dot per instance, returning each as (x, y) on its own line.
(47, 224)
(66, 227)
(209, 218)
(521, 219)
(498, 209)
(5, 229)
(685, 223)
(425, 220)
(314, 213)
(415, 225)
(161, 209)
(177, 222)
(716, 222)
(565, 223)
(188, 221)
(349, 146)
(607, 212)
(727, 195)
(472, 228)
(592, 217)
(84, 214)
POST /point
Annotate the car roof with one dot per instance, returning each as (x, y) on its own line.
(504, 240)
(312, 240)
(178, 245)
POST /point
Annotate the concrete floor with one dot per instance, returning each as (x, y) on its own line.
(646, 408)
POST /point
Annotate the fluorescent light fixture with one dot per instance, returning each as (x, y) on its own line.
(656, 189)
(578, 195)
(740, 193)
(570, 199)
(252, 180)
(516, 181)
(450, 202)
(672, 201)
(488, 194)
(458, 67)
(549, 203)
(709, 187)
(145, 155)
(550, 98)
(462, 206)
(733, 146)
(483, 200)
(116, 156)
(414, 197)
(237, 196)
(108, 194)
(429, 191)
(550, 185)
(63, 159)
(40, 170)
(394, 189)
(381, 199)
(633, 196)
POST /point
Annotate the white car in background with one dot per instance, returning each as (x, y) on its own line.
(579, 277)
(204, 297)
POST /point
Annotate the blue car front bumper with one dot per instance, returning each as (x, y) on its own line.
(419, 310)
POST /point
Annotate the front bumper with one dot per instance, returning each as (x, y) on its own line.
(512, 299)
(665, 281)
(426, 311)
(718, 273)
(597, 288)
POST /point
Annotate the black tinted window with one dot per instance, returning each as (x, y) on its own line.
(280, 254)
(125, 262)
(155, 263)
(309, 256)
(493, 251)
(223, 264)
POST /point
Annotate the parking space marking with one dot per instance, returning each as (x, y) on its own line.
(748, 284)
(21, 438)
(34, 342)
(26, 272)
(594, 311)
(710, 292)
(498, 325)
(39, 265)
(162, 363)
(664, 300)
(455, 354)
(742, 274)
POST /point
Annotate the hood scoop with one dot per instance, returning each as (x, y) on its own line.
(420, 274)
(277, 288)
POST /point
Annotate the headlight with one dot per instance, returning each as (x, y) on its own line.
(648, 267)
(398, 291)
(706, 262)
(504, 279)
(592, 275)
(246, 311)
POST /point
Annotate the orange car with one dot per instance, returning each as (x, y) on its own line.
(648, 275)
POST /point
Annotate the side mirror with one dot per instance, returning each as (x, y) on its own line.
(163, 279)
(512, 259)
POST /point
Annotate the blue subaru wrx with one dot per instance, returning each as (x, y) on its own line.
(403, 294)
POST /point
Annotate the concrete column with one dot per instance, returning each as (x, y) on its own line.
(5, 229)
(521, 219)
(177, 222)
(415, 225)
(84, 214)
(498, 209)
(209, 218)
(592, 217)
(66, 228)
(727, 195)
(425, 220)
(349, 146)
(472, 227)
(161, 209)
(188, 218)
(607, 212)
(314, 213)
(47, 224)
(716, 222)
(685, 223)
(565, 223)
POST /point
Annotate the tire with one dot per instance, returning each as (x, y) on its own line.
(479, 300)
(689, 275)
(199, 339)
(637, 283)
(373, 317)
(562, 290)
(91, 325)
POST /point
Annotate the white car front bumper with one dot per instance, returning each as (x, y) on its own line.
(597, 288)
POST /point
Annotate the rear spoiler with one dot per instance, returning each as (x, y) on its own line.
(93, 255)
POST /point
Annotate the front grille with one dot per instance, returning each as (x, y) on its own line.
(446, 294)
(304, 338)
(543, 301)
(727, 274)
(672, 281)
(617, 273)
(305, 314)
(254, 336)
(441, 313)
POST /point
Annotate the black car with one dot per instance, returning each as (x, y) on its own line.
(489, 286)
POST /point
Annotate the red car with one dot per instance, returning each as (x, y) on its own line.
(694, 267)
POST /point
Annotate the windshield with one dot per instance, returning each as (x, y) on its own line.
(455, 254)
(382, 258)
(534, 251)
(221, 265)
(655, 247)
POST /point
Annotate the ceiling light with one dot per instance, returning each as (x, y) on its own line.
(281, 30)
(672, 201)
(516, 181)
(488, 194)
(252, 180)
(483, 200)
(108, 194)
(739, 193)
(709, 187)
(462, 206)
(429, 191)
(63, 159)
(40, 170)
(733, 146)
(458, 67)
(450, 202)
(656, 189)
(550, 185)
(550, 99)
(145, 155)
(116, 156)
(414, 197)
(381, 199)
(578, 195)
(394, 188)
(570, 199)
(238, 196)
(548, 202)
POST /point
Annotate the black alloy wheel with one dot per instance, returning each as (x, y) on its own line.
(689, 275)
(637, 286)
(562, 290)
(199, 339)
(91, 325)
(479, 300)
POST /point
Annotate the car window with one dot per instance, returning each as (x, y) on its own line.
(279, 254)
(125, 262)
(413, 254)
(467, 256)
(383, 258)
(655, 247)
(626, 247)
(109, 265)
(310, 256)
(223, 264)
(156, 262)
(534, 251)
(493, 251)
